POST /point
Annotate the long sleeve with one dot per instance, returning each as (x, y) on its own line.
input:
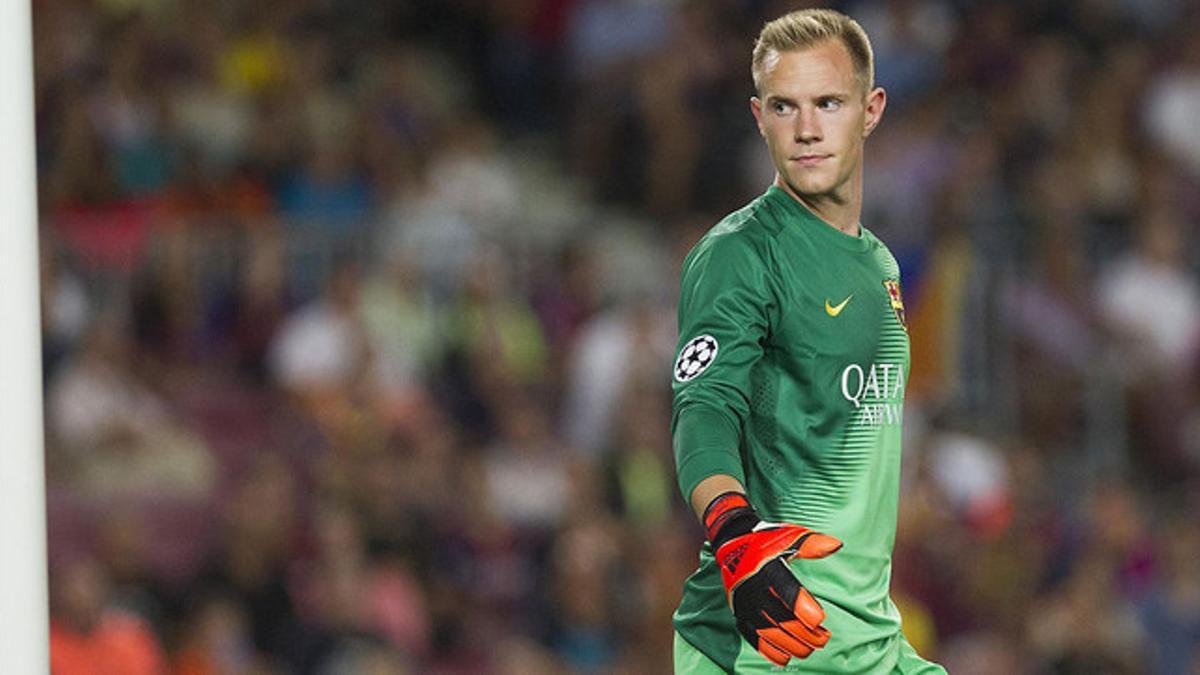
(727, 306)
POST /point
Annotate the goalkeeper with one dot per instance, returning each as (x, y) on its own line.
(789, 385)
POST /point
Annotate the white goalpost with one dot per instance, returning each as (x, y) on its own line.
(24, 625)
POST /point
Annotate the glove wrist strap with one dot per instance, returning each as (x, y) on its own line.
(727, 516)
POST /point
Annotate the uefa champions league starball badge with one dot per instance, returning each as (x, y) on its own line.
(697, 355)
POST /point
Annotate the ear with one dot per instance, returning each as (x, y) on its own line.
(876, 102)
(756, 109)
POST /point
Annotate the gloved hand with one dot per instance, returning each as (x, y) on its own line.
(774, 612)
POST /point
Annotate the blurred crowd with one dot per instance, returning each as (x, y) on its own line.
(358, 321)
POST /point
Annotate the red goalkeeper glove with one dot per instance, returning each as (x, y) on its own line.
(774, 612)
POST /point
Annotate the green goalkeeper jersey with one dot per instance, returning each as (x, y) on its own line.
(790, 374)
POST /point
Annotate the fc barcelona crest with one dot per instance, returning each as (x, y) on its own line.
(897, 302)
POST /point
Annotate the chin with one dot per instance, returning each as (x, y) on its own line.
(807, 186)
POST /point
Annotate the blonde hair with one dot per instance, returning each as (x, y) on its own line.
(807, 27)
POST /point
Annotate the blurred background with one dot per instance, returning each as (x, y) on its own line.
(358, 321)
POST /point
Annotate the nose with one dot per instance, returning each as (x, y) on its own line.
(808, 127)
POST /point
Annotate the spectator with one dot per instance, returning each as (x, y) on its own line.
(401, 324)
(250, 567)
(216, 639)
(1174, 98)
(65, 305)
(526, 473)
(1151, 300)
(320, 350)
(1171, 611)
(1151, 304)
(616, 350)
(87, 635)
(117, 434)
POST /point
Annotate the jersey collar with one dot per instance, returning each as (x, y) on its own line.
(811, 222)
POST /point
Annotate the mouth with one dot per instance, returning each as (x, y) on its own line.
(809, 159)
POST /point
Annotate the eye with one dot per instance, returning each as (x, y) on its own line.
(781, 107)
(829, 104)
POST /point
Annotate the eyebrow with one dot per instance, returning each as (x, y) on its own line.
(775, 98)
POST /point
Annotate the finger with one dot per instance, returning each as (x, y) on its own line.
(807, 609)
(799, 618)
(814, 638)
(817, 545)
(781, 638)
(773, 653)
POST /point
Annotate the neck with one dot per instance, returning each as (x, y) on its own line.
(840, 210)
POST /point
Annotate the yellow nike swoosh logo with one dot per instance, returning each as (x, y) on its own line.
(834, 310)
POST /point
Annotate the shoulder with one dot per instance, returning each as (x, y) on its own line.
(744, 236)
(881, 252)
(874, 242)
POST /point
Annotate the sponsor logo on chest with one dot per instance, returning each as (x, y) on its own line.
(876, 391)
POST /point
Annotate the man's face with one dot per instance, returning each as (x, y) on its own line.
(814, 117)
